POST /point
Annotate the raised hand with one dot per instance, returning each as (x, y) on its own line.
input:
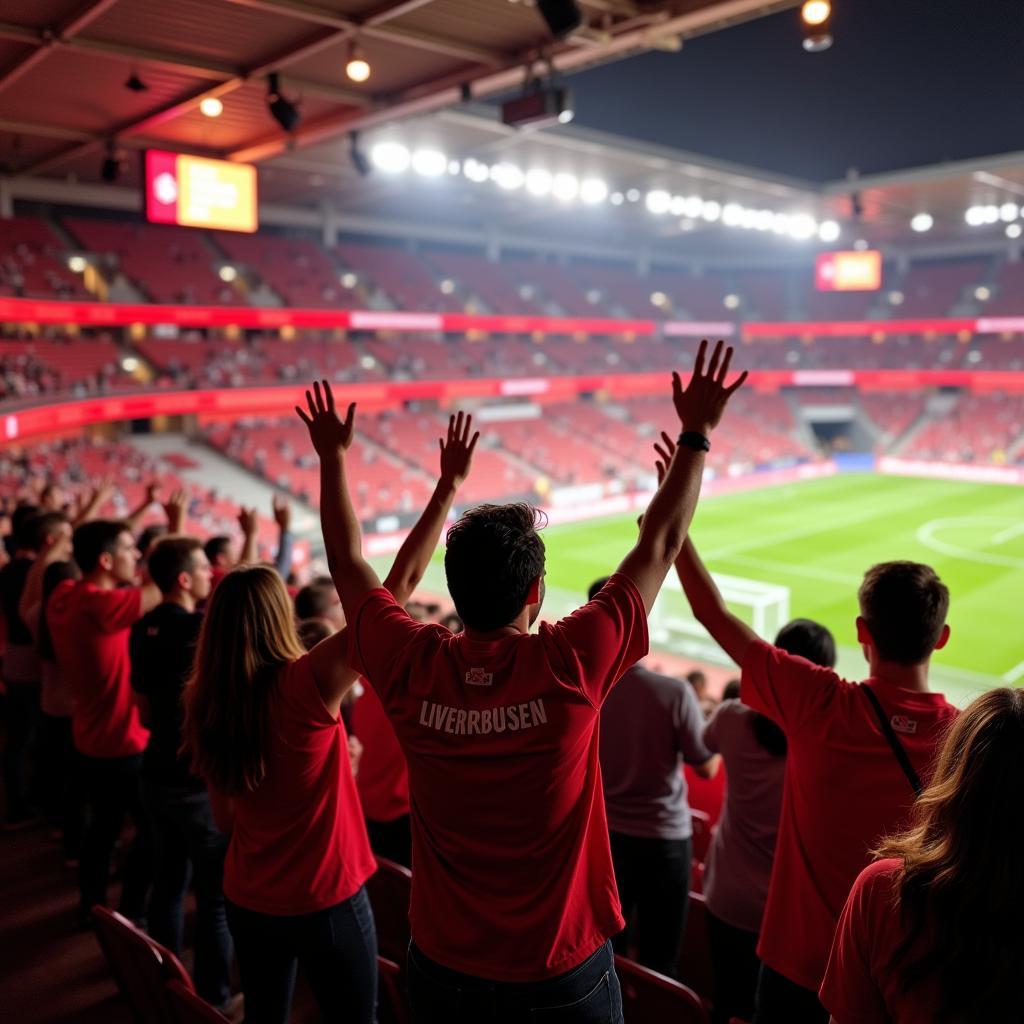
(282, 512)
(701, 404)
(457, 450)
(327, 432)
(174, 508)
(664, 455)
(152, 490)
(248, 520)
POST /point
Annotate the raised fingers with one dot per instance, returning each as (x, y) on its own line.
(698, 366)
(724, 368)
(737, 384)
(716, 355)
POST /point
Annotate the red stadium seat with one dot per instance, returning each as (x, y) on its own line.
(701, 835)
(694, 966)
(389, 889)
(188, 1008)
(651, 998)
(391, 1001)
(141, 967)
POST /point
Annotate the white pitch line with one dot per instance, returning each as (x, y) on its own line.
(1014, 674)
(1008, 534)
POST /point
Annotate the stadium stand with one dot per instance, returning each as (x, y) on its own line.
(398, 274)
(979, 428)
(31, 262)
(935, 288)
(75, 366)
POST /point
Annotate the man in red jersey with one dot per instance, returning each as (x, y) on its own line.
(514, 898)
(90, 622)
(850, 780)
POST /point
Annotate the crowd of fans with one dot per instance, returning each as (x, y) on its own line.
(274, 741)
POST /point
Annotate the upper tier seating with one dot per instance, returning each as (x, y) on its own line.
(400, 274)
(41, 366)
(932, 289)
(31, 265)
(979, 428)
(489, 282)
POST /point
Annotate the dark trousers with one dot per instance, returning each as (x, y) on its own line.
(337, 949)
(184, 837)
(112, 790)
(21, 724)
(61, 781)
(653, 877)
(392, 839)
(781, 1001)
(588, 994)
(736, 964)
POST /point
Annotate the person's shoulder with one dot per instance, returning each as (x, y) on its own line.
(879, 875)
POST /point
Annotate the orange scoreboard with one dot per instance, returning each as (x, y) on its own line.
(198, 192)
(851, 271)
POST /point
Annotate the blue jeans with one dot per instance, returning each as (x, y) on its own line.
(588, 994)
(184, 836)
(336, 947)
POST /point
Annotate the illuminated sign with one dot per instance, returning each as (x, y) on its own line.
(848, 271)
(200, 193)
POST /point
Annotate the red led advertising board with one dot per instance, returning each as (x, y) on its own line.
(198, 192)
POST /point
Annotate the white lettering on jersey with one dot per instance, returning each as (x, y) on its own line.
(463, 722)
(901, 723)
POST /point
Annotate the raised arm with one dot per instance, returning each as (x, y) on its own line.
(59, 550)
(699, 407)
(285, 541)
(249, 521)
(90, 506)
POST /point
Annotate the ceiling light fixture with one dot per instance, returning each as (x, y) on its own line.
(211, 106)
(357, 67)
(922, 222)
(283, 111)
(816, 25)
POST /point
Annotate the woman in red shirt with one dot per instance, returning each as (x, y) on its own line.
(931, 933)
(263, 727)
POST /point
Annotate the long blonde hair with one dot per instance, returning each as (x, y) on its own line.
(248, 636)
(961, 887)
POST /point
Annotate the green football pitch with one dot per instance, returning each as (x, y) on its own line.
(817, 538)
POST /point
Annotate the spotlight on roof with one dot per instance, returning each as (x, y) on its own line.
(359, 161)
(829, 230)
(211, 107)
(1013, 230)
(390, 157)
(110, 169)
(357, 67)
(816, 25)
(283, 111)
(135, 84)
(543, 102)
(560, 16)
(922, 222)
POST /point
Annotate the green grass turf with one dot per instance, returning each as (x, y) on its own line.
(817, 538)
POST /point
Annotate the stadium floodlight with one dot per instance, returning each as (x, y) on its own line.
(390, 157)
(476, 170)
(731, 301)
(211, 106)
(1009, 211)
(802, 226)
(593, 191)
(922, 222)
(282, 110)
(748, 218)
(675, 206)
(565, 187)
(658, 201)
(693, 207)
(76, 264)
(763, 220)
(861, 245)
(829, 230)
(593, 296)
(975, 216)
(507, 176)
(732, 214)
(633, 195)
(349, 280)
(711, 211)
(816, 25)
(430, 163)
(659, 299)
(454, 166)
(129, 364)
(447, 286)
(357, 67)
(1013, 230)
(780, 223)
(982, 294)
(227, 273)
(895, 298)
(539, 182)
(989, 214)
(616, 199)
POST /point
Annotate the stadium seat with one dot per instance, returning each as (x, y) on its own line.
(391, 1002)
(701, 835)
(651, 998)
(694, 966)
(389, 889)
(141, 967)
(188, 1008)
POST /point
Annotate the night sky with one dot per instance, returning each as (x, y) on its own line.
(906, 83)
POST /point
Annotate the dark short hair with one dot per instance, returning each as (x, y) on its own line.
(904, 605)
(19, 517)
(315, 599)
(808, 639)
(95, 538)
(494, 554)
(596, 587)
(34, 530)
(696, 678)
(312, 631)
(170, 557)
(149, 536)
(731, 690)
(219, 545)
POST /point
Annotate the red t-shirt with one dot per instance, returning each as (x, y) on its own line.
(844, 790)
(512, 877)
(299, 843)
(861, 985)
(383, 779)
(90, 628)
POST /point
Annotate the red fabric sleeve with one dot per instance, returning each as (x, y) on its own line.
(299, 694)
(380, 631)
(784, 687)
(114, 610)
(850, 991)
(594, 646)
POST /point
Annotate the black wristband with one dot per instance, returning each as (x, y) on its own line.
(691, 439)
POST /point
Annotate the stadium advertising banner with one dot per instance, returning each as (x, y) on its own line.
(849, 271)
(197, 192)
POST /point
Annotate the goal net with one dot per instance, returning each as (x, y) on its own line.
(672, 625)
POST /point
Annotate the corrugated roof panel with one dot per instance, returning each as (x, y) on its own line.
(493, 24)
(37, 13)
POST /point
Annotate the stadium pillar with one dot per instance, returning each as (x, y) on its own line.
(493, 246)
(329, 231)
